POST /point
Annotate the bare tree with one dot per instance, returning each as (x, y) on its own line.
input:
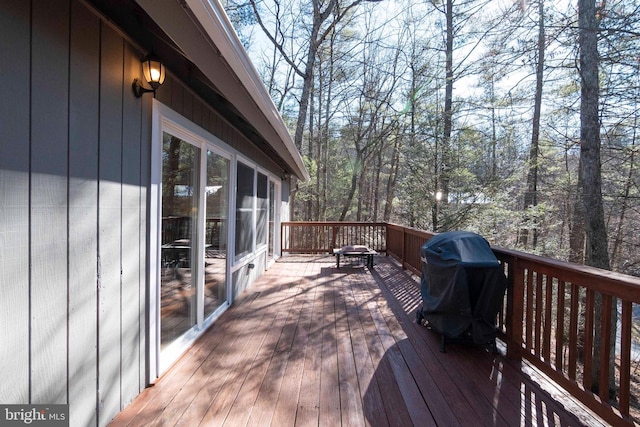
(531, 194)
(372, 120)
(324, 19)
(590, 186)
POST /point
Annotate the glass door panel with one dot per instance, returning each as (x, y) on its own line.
(272, 218)
(215, 259)
(261, 210)
(245, 177)
(180, 194)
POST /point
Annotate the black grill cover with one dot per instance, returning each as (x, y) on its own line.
(462, 286)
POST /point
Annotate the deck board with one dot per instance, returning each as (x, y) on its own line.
(329, 402)
(307, 411)
(309, 344)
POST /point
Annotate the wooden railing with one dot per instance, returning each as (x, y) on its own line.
(552, 314)
(319, 237)
(556, 311)
(403, 243)
(179, 227)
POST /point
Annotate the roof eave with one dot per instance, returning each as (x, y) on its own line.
(247, 93)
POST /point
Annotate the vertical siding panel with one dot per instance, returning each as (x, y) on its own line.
(207, 120)
(163, 94)
(109, 224)
(197, 112)
(131, 235)
(187, 103)
(214, 128)
(177, 96)
(14, 202)
(214, 123)
(83, 214)
(220, 127)
(145, 175)
(49, 138)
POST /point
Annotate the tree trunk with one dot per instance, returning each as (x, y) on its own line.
(173, 169)
(577, 227)
(311, 143)
(352, 192)
(617, 243)
(448, 106)
(376, 187)
(531, 195)
(391, 182)
(597, 253)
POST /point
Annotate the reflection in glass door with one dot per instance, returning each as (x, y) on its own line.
(189, 207)
(180, 194)
(215, 259)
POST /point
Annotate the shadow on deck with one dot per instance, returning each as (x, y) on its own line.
(311, 344)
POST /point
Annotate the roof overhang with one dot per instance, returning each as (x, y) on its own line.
(215, 22)
(201, 31)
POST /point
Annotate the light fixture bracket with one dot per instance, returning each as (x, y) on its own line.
(140, 90)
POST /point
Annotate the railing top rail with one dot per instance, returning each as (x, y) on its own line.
(334, 223)
(608, 282)
(413, 231)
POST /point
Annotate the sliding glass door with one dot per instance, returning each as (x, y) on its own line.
(217, 227)
(180, 206)
(194, 229)
(274, 220)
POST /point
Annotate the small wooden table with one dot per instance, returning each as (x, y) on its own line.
(355, 251)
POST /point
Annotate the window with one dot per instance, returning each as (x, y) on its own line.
(244, 209)
(262, 209)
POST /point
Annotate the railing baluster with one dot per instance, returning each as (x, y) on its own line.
(573, 331)
(625, 357)
(538, 315)
(515, 309)
(605, 348)
(560, 327)
(529, 316)
(548, 301)
(588, 340)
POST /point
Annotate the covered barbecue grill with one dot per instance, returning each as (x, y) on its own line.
(462, 287)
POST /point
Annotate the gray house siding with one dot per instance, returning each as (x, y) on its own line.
(74, 179)
(73, 174)
(180, 99)
(14, 206)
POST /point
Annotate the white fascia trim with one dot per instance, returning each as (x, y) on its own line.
(215, 22)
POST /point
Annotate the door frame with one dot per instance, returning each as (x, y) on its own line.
(164, 120)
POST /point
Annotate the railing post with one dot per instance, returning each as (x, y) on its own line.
(282, 247)
(515, 309)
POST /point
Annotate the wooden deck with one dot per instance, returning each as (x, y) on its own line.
(309, 344)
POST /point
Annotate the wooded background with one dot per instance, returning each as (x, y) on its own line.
(515, 119)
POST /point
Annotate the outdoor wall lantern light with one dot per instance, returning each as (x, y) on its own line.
(154, 74)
